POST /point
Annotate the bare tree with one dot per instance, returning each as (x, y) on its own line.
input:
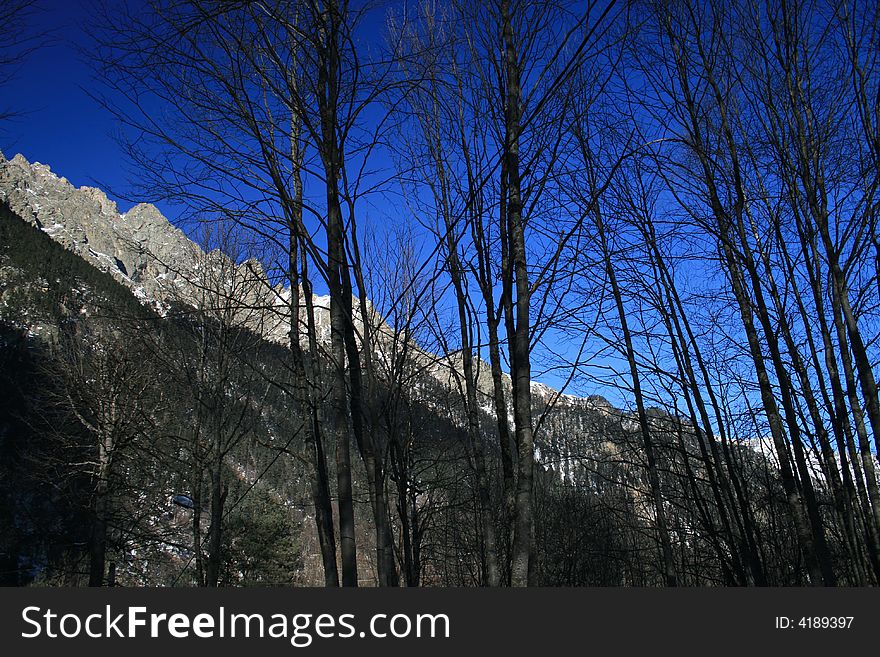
(17, 41)
(104, 387)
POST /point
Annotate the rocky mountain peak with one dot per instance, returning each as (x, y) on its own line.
(88, 223)
(141, 248)
(144, 251)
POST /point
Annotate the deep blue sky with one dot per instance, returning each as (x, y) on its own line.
(59, 124)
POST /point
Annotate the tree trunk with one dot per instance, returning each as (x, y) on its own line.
(519, 340)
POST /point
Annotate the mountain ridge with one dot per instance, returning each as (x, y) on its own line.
(145, 252)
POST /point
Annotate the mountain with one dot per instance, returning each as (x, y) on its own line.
(139, 248)
(71, 262)
(142, 250)
(80, 354)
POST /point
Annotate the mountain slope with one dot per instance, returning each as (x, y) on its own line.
(131, 286)
(143, 251)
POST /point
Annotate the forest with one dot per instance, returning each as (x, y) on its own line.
(502, 293)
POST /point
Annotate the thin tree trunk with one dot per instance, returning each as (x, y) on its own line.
(215, 531)
(519, 340)
(98, 538)
(669, 568)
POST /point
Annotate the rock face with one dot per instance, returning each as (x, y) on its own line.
(140, 248)
(162, 266)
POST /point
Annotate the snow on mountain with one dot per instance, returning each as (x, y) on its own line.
(162, 266)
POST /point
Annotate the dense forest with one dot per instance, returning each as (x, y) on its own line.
(664, 212)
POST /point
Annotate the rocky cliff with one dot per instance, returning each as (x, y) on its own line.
(161, 265)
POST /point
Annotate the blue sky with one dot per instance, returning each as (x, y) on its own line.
(59, 124)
